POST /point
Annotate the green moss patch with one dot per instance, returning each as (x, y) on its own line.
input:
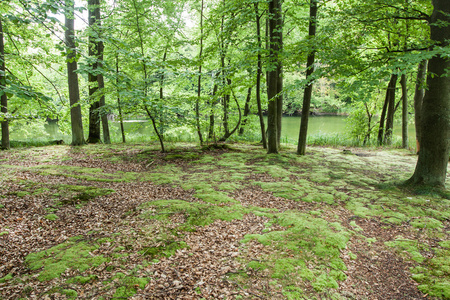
(82, 279)
(51, 217)
(6, 278)
(128, 285)
(196, 213)
(74, 254)
(166, 248)
(74, 194)
(306, 253)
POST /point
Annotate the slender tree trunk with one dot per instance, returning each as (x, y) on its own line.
(301, 149)
(101, 80)
(225, 137)
(4, 99)
(390, 113)
(258, 77)
(369, 123)
(404, 112)
(199, 84)
(74, 91)
(279, 19)
(431, 168)
(246, 110)
(384, 110)
(274, 74)
(418, 99)
(94, 108)
(211, 134)
(147, 110)
(122, 130)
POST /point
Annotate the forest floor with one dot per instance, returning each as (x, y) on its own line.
(128, 222)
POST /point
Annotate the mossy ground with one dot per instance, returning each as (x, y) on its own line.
(303, 247)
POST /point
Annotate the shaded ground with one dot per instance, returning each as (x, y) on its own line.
(121, 221)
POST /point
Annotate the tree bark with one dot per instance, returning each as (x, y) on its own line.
(246, 110)
(431, 168)
(72, 77)
(101, 81)
(94, 108)
(384, 110)
(274, 82)
(258, 78)
(279, 19)
(119, 105)
(418, 99)
(4, 99)
(199, 83)
(404, 112)
(301, 148)
(390, 111)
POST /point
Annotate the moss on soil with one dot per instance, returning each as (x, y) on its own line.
(306, 253)
(72, 254)
(305, 256)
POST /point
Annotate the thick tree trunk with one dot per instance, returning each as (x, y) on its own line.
(404, 112)
(301, 148)
(258, 78)
(434, 152)
(94, 108)
(418, 99)
(390, 112)
(72, 77)
(4, 99)
(274, 80)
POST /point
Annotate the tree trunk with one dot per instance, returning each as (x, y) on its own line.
(246, 110)
(225, 137)
(279, 19)
(211, 134)
(94, 108)
(384, 110)
(404, 112)
(369, 124)
(4, 99)
(199, 84)
(101, 81)
(144, 66)
(122, 130)
(72, 77)
(258, 78)
(301, 148)
(274, 79)
(390, 111)
(418, 99)
(431, 168)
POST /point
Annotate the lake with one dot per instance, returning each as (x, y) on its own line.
(139, 130)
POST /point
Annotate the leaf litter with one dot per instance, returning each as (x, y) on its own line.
(160, 258)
